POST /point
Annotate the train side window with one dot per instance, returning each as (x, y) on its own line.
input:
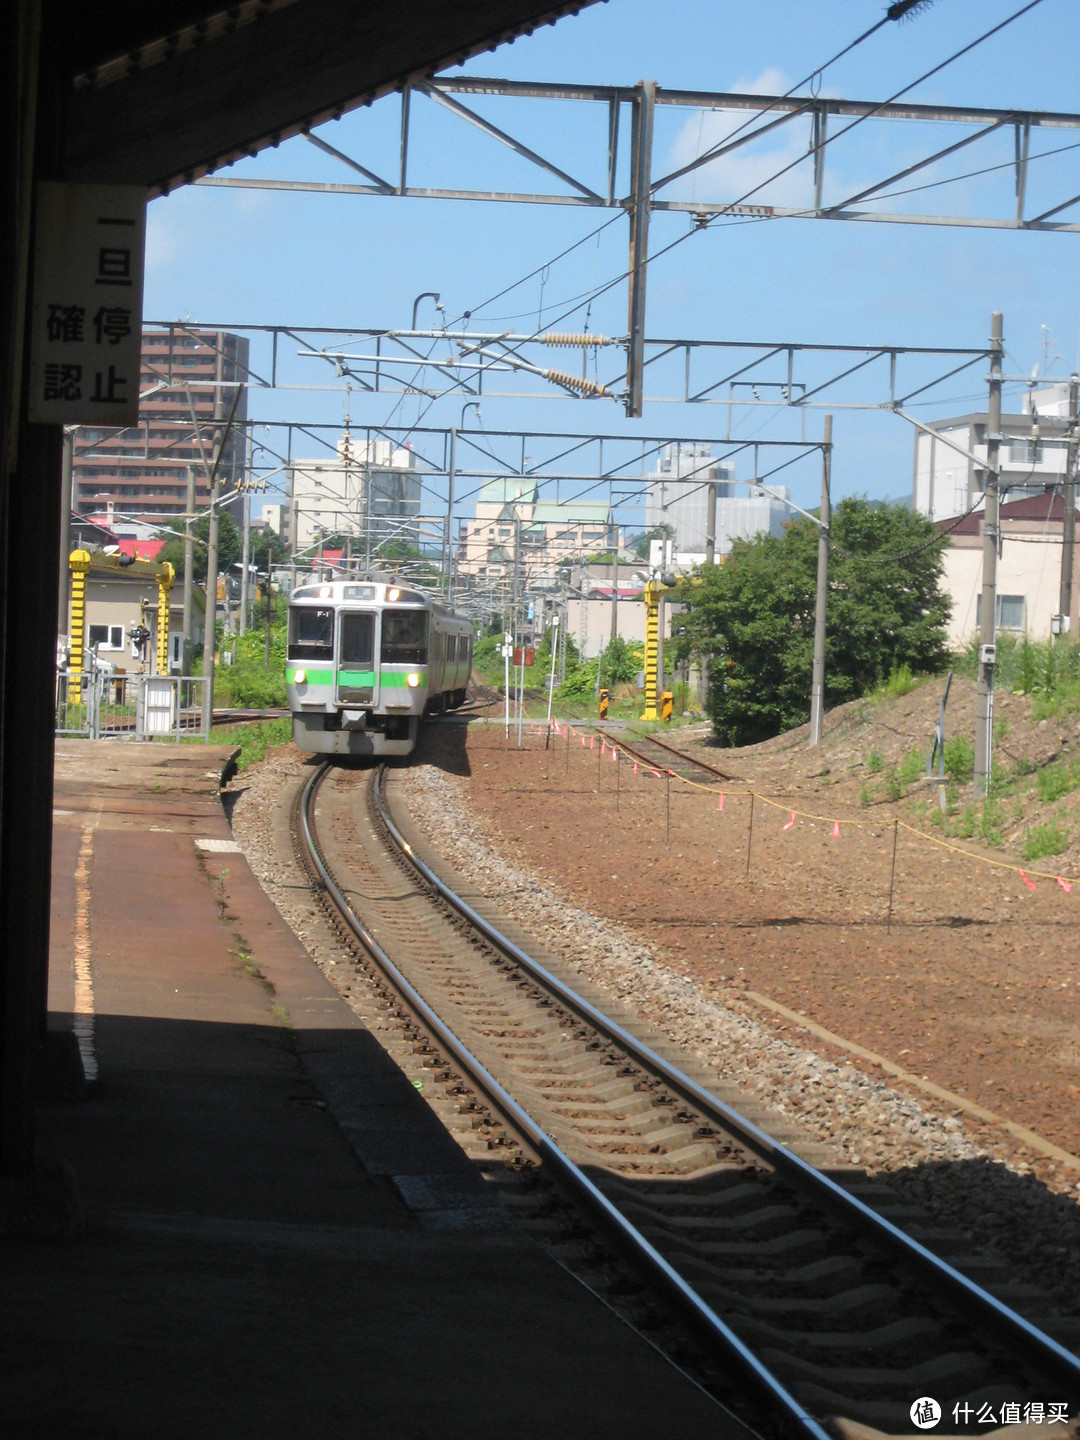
(356, 644)
(404, 637)
(311, 633)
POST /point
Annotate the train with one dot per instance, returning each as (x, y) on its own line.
(366, 660)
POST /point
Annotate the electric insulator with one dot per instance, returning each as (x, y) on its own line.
(555, 337)
(576, 382)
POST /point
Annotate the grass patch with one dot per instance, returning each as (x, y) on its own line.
(1053, 781)
(1043, 840)
(875, 761)
(900, 682)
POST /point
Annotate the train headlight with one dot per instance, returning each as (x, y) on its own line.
(325, 591)
(393, 593)
(299, 676)
(412, 681)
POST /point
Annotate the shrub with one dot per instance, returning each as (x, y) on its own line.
(875, 761)
(912, 767)
(1053, 781)
(959, 759)
(1042, 840)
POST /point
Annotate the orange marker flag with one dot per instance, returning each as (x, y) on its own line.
(1064, 885)
(1029, 883)
(791, 822)
(836, 829)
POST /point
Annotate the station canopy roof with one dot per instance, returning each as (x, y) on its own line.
(160, 94)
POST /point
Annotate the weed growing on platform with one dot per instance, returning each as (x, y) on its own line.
(256, 740)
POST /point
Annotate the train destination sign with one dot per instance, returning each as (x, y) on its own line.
(87, 304)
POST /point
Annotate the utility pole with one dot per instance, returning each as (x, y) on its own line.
(817, 688)
(615, 593)
(710, 523)
(451, 466)
(984, 714)
(269, 562)
(189, 579)
(1068, 533)
(245, 562)
(210, 637)
(641, 142)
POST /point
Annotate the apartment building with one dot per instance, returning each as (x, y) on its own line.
(143, 471)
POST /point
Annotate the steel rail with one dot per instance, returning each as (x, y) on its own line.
(767, 1387)
(679, 754)
(1021, 1338)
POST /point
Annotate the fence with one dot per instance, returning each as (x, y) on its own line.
(102, 706)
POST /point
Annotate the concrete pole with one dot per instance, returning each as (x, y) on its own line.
(1068, 534)
(65, 527)
(189, 579)
(984, 713)
(449, 543)
(710, 524)
(817, 687)
(615, 593)
(245, 562)
(210, 636)
(641, 143)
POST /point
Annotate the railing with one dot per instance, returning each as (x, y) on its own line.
(105, 706)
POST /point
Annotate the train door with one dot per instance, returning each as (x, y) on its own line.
(357, 677)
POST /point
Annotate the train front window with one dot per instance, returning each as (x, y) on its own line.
(404, 637)
(311, 633)
(356, 642)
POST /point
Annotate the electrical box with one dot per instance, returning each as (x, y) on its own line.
(1059, 624)
(987, 654)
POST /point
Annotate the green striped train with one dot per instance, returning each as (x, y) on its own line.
(366, 661)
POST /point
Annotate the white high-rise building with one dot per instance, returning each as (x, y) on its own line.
(370, 491)
(678, 500)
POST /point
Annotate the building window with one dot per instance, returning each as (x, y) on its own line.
(1010, 611)
(106, 637)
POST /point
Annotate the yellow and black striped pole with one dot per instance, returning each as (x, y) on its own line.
(79, 564)
(652, 647)
(605, 698)
(165, 577)
(666, 701)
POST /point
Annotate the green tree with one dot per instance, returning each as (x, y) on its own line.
(751, 618)
(230, 547)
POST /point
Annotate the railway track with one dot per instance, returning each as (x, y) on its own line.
(659, 755)
(818, 1305)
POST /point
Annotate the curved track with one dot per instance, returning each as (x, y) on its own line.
(820, 1305)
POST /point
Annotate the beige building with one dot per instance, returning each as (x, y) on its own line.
(514, 529)
(1028, 573)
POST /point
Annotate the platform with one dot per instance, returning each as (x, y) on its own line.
(278, 1239)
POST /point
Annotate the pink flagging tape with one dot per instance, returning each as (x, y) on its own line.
(656, 773)
(603, 745)
(791, 822)
(614, 753)
(583, 742)
(721, 804)
(1064, 885)
(635, 767)
(836, 829)
(592, 742)
(1029, 883)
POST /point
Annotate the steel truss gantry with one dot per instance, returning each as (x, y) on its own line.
(735, 374)
(638, 192)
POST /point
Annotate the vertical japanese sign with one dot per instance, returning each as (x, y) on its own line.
(87, 304)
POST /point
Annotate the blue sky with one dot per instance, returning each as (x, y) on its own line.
(231, 256)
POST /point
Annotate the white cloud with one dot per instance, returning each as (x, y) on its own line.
(748, 170)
